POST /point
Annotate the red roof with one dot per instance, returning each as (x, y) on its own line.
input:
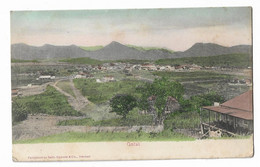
(242, 102)
(240, 106)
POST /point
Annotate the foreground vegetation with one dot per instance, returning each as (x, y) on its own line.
(133, 118)
(229, 60)
(108, 136)
(50, 102)
(102, 92)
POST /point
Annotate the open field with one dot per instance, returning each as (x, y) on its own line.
(102, 92)
(132, 119)
(193, 76)
(199, 82)
(23, 74)
(98, 111)
(230, 60)
(108, 136)
(50, 102)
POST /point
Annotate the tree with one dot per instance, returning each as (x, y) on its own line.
(121, 104)
(160, 90)
(197, 101)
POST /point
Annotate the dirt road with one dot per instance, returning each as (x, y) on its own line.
(78, 102)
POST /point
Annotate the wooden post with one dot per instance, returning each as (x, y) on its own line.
(202, 128)
(201, 125)
(209, 119)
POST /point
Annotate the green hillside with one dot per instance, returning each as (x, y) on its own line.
(150, 48)
(91, 48)
(230, 60)
(49, 102)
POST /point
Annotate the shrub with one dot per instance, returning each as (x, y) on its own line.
(121, 104)
(19, 112)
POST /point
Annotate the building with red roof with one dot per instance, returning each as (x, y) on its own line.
(235, 115)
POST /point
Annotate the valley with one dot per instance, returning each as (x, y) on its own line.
(74, 94)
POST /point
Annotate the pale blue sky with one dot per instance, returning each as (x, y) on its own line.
(176, 29)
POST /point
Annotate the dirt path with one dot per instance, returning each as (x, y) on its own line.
(81, 100)
(77, 103)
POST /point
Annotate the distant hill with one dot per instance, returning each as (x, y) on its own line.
(210, 49)
(27, 52)
(117, 51)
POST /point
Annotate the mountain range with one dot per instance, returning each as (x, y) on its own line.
(118, 51)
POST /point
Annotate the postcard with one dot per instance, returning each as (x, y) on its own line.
(132, 84)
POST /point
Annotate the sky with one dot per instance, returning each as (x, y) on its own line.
(177, 29)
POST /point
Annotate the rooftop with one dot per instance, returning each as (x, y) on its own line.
(241, 106)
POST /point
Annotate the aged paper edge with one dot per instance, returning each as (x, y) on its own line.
(210, 148)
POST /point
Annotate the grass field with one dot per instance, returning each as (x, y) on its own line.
(108, 136)
(133, 118)
(50, 102)
(65, 86)
(193, 75)
(102, 92)
(229, 60)
(150, 48)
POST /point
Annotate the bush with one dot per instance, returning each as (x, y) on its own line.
(19, 112)
(121, 104)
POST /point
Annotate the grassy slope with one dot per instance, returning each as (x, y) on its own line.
(150, 48)
(91, 48)
(108, 136)
(230, 60)
(102, 92)
(65, 86)
(133, 118)
(50, 102)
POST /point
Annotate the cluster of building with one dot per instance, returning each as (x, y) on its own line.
(128, 67)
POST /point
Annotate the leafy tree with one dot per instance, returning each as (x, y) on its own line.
(197, 101)
(121, 104)
(161, 89)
